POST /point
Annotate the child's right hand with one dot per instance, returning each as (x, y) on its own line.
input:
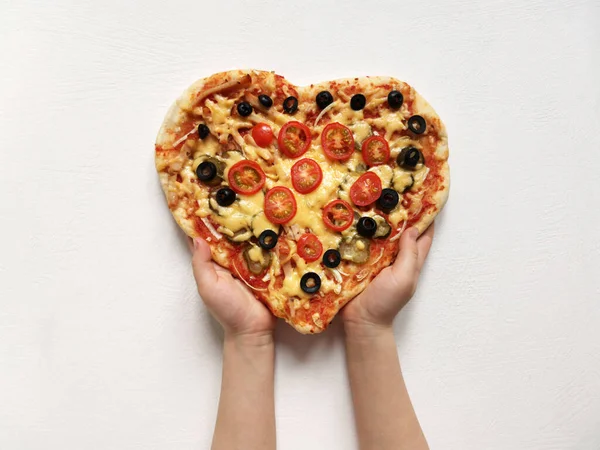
(228, 300)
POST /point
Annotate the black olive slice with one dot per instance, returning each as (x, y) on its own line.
(203, 131)
(388, 200)
(310, 282)
(332, 258)
(358, 102)
(410, 157)
(417, 124)
(366, 226)
(244, 109)
(267, 239)
(225, 196)
(265, 100)
(206, 171)
(290, 105)
(395, 99)
(324, 99)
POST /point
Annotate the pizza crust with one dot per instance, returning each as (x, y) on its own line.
(175, 126)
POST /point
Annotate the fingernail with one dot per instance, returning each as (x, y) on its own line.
(196, 243)
(414, 232)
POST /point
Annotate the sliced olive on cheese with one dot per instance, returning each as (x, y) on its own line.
(256, 259)
(358, 102)
(366, 226)
(383, 228)
(410, 158)
(409, 185)
(388, 200)
(244, 109)
(332, 258)
(395, 99)
(203, 131)
(356, 250)
(324, 99)
(310, 282)
(225, 196)
(265, 100)
(268, 239)
(206, 171)
(417, 124)
(290, 104)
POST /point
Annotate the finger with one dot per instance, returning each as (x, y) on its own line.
(204, 270)
(424, 244)
(407, 259)
(190, 244)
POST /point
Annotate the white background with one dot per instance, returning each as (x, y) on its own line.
(103, 341)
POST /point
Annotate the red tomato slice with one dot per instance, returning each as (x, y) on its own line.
(375, 151)
(294, 139)
(337, 141)
(306, 175)
(246, 177)
(280, 205)
(338, 215)
(366, 189)
(262, 134)
(309, 247)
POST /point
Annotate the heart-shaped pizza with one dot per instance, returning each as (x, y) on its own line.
(302, 192)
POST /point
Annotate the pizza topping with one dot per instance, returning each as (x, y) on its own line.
(294, 139)
(306, 175)
(310, 282)
(309, 247)
(358, 102)
(331, 258)
(225, 196)
(383, 228)
(366, 189)
(375, 151)
(388, 200)
(356, 250)
(203, 131)
(210, 227)
(280, 205)
(338, 215)
(244, 109)
(265, 100)
(262, 134)
(337, 141)
(206, 171)
(366, 226)
(410, 157)
(256, 259)
(290, 105)
(268, 239)
(417, 124)
(246, 177)
(324, 99)
(395, 99)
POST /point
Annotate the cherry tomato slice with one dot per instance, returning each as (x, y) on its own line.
(280, 205)
(338, 215)
(262, 134)
(309, 247)
(337, 141)
(246, 177)
(375, 151)
(294, 139)
(306, 175)
(366, 189)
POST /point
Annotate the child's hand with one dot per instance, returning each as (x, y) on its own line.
(228, 299)
(379, 303)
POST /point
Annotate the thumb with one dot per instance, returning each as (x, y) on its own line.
(406, 264)
(204, 269)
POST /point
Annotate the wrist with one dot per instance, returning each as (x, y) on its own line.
(250, 340)
(364, 331)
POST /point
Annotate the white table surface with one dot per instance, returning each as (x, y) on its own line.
(103, 341)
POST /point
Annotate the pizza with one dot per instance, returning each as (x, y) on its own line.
(302, 192)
